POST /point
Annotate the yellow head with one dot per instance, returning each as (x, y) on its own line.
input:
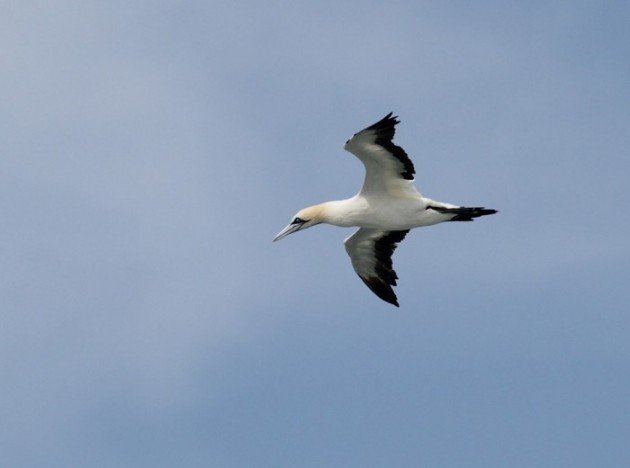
(303, 219)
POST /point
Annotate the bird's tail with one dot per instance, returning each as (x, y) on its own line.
(464, 213)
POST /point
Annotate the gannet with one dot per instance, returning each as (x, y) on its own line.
(386, 208)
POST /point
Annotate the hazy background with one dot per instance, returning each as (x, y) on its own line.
(150, 151)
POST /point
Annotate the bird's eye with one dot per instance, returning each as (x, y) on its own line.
(297, 221)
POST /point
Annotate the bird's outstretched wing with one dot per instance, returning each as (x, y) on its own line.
(371, 252)
(387, 167)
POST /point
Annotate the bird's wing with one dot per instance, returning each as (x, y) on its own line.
(371, 252)
(387, 167)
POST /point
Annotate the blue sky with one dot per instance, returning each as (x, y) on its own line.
(151, 151)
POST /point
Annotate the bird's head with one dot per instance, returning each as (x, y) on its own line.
(303, 219)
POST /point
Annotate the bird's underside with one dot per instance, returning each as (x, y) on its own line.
(371, 251)
(393, 204)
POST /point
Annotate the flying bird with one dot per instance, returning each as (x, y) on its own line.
(386, 208)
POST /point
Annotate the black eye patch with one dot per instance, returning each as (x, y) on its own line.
(298, 221)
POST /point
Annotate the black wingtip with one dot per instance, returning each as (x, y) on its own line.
(393, 301)
(392, 117)
(383, 290)
(386, 123)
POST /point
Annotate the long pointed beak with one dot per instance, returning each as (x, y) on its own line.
(291, 228)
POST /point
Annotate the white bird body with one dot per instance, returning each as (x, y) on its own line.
(391, 214)
(385, 209)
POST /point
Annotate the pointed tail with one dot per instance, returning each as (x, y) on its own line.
(464, 213)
